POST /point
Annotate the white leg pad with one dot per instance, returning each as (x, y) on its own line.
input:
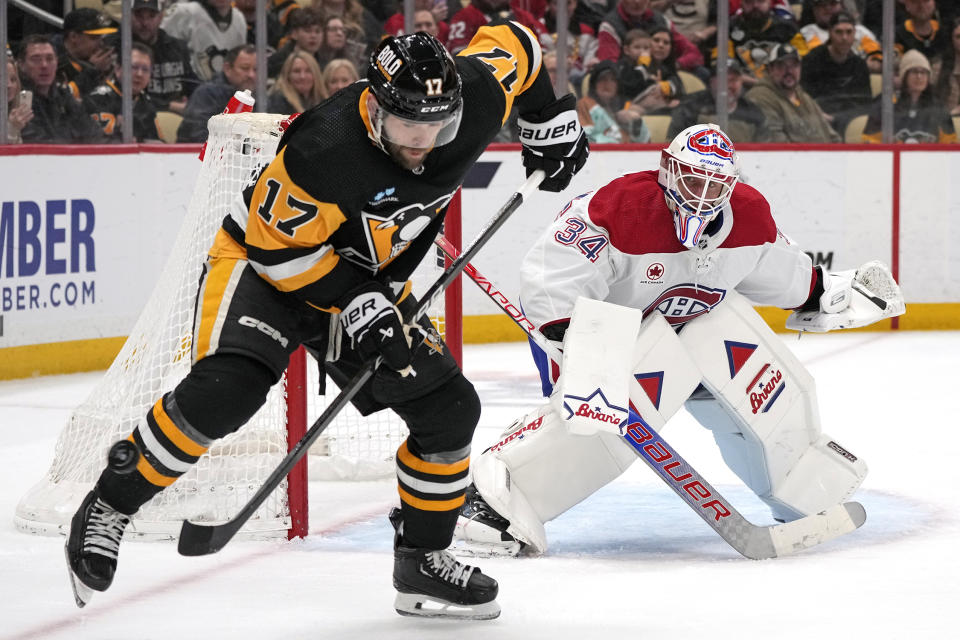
(538, 470)
(764, 413)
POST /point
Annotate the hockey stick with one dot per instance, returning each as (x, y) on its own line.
(756, 542)
(202, 539)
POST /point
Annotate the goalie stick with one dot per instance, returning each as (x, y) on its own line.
(198, 539)
(757, 542)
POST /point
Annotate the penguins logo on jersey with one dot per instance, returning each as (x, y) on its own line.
(389, 232)
(684, 302)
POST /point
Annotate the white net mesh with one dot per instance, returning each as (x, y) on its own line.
(156, 356)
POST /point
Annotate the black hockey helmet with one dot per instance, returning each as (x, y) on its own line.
(417, 88)
(413, 77)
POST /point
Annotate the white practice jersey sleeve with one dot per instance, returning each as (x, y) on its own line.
(618, 244)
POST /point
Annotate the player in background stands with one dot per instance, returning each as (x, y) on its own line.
(337, 223)
(682, 240)
(59, 118)
(105, 103)
(85, 60)
(239, 74)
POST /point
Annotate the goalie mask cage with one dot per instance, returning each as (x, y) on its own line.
(156, 356)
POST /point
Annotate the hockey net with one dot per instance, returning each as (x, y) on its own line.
(156, 356)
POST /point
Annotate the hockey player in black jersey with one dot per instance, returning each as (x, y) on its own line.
(336, 223)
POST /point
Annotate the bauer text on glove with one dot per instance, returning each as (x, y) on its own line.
(553, 141)
(374, 325)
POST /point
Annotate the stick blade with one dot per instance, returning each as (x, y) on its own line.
(204, 539)
(808, 532)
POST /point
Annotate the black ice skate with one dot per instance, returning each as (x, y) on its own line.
(481, 531)
(92, 546)
(433, 584)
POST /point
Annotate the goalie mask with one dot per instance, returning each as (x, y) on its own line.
(698, 172)
(417, 87)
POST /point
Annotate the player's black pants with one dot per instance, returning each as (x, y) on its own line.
(245, 331)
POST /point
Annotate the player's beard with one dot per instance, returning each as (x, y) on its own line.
(407, 157)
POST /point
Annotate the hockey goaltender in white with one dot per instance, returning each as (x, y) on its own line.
(682, 248)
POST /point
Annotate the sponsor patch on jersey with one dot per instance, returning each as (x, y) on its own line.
(684, 302)
(655, 272)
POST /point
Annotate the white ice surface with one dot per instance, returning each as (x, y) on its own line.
(631, 562)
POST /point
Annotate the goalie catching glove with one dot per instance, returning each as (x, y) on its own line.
(375, 326)
(553, 141)
(849, 299)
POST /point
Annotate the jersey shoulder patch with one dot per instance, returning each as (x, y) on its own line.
(752, 220)
(634, 212)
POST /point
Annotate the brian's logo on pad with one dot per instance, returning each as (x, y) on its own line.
(684, 302)
(594, 407)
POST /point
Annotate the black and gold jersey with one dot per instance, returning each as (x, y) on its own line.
(332, 210)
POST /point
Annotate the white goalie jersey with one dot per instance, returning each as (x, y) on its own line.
(618, 244)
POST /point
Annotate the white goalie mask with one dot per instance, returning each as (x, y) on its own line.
(698, 172)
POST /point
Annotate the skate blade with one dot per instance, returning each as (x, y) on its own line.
(474, 549)
(421, 606)
(82, 594)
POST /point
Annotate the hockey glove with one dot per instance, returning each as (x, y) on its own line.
(554, 141)
(374, 325)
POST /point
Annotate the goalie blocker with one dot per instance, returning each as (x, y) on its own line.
(730, 371)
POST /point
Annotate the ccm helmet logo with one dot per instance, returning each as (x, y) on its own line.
(264, 328)
(435, 108)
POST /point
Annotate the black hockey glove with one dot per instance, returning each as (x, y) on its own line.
(374, 325)
(554, 141)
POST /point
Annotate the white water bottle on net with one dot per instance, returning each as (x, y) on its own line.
(156, 356)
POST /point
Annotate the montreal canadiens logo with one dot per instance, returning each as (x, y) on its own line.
(711, 142)
(685, 302)
(655, 271)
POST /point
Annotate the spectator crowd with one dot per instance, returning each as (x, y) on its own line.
(803, 72)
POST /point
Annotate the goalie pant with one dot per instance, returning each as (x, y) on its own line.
(756, 398)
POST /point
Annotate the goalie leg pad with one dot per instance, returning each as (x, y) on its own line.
(764, 413)
(538, 470)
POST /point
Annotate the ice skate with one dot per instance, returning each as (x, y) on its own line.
(482, 532)
(433, 584)
(92, 546)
